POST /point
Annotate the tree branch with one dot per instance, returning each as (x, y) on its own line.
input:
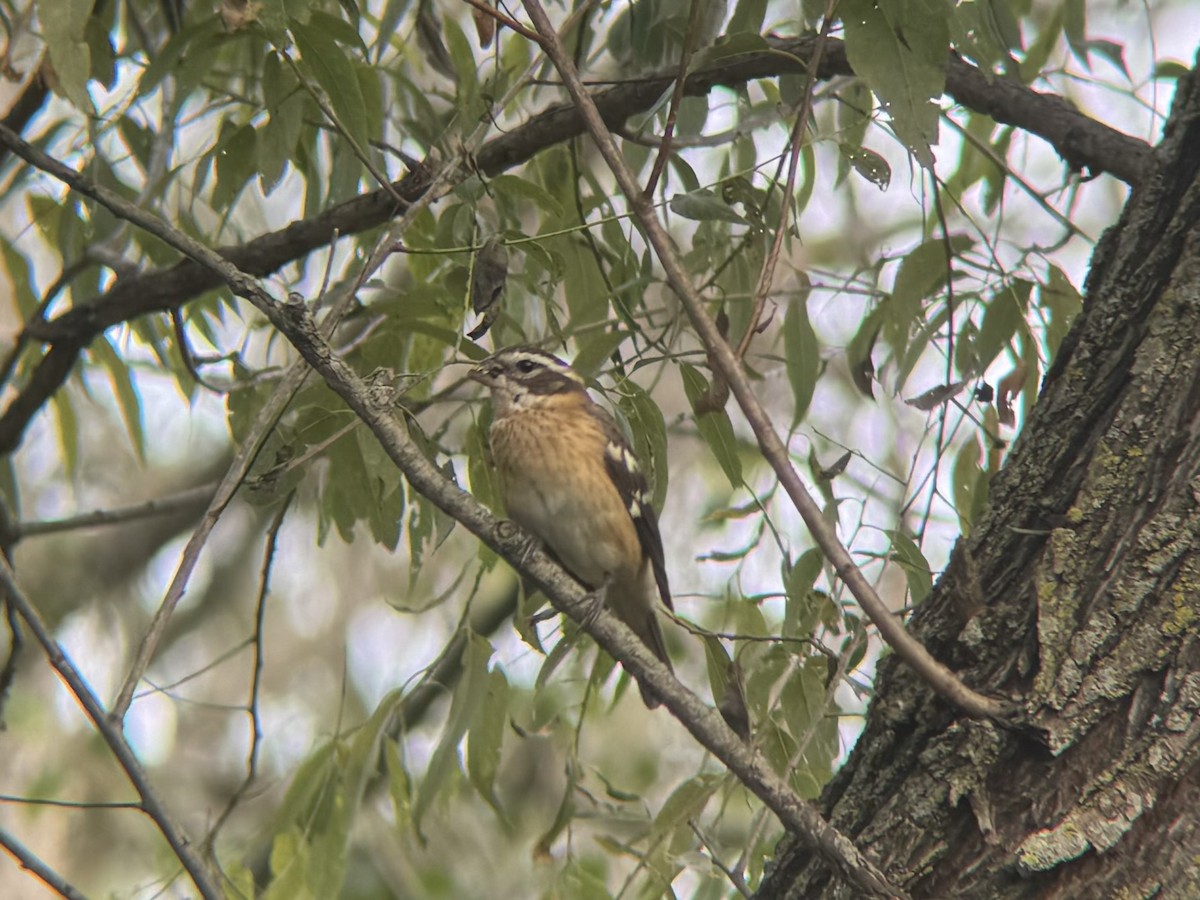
(192, 498)
(182, 845)
(29, 861)
(1082, 141)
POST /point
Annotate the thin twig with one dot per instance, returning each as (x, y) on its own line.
(184, 500)
(263, 425)
(17, 800)
(796, 142)
(256, 732)
(181, 845)
(685, 60)
(507, 21)
(738, 882)
(29, 861)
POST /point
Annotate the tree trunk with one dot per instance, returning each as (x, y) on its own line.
(1078, 596)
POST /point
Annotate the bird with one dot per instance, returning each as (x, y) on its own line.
(569, 477)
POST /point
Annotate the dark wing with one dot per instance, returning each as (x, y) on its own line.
(630, 481)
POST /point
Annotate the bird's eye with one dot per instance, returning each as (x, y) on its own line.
(525, 366)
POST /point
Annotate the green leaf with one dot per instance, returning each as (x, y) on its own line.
(338, 29)
(64, 23)
(869, 164)
(485, 738)
(236, 155)
(399, 783)
(748, 17)
(916, 567)
(465, 67)
(323, 59)
(979, 31)
(1047, 42)
(805, 605)
(802, 354)
(703, 205)
(860, 349)
(715, 427)
(525, 189)
(900, 48)
(287, 867)
(649, 431)
(685, 803)
(1005, 313)
(970, 485)
(68, 431)
(20, 277)
(854, 113)
(922, 272)
(1171, 70)
(805, 706)
(468, 697)
(731, 45)
(718, 665)
(595, 351)
(126, 392)
(1063, 303)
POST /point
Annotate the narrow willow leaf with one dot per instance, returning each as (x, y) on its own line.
(1004, 315)
(469, 695)
(324, 60)
(63, 23)
(485, 738)
(68, 431)
(916, 567)
(685, 803)
(704, 205)
(715, 427)
(649, 431)
(801, 354)
(970, 485)
(1063, 303)
(924, 270)
(805, 605)
(128, 399)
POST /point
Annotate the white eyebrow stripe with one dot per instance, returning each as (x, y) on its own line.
(542, 358)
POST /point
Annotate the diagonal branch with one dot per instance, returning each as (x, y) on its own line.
(181, 845)
(27, 860)
(771, 446)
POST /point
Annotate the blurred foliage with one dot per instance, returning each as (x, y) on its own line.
(924, 246)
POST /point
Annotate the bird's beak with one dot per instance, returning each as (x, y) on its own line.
(481, 374)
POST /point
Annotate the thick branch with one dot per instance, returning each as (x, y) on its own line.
(1082, 141)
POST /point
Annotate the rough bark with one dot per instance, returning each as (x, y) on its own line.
(1077, 595)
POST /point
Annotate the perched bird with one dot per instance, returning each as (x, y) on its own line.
(569, 477)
